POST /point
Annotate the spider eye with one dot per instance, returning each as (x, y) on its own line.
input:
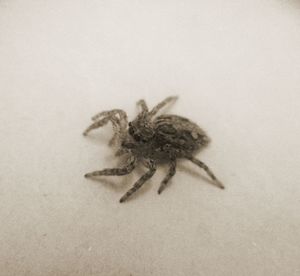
(131, 131)
(136, 137)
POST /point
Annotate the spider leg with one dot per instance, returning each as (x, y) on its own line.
(119, 122)
(122, 114)
(207, 170)
(138, 184)
(117, 131)
(96, 124)
(161, 105)
(119, 127)
(127, 169)
(143, 105)
(120, 152)
(171, 172)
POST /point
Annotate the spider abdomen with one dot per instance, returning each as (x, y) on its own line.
(178, 135)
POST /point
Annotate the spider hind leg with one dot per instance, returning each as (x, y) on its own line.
(207, 170)
(171, 173)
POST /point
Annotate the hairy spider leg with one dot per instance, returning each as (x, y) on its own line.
(143, 105)
(207, 170)
(122, 114)
(114, 171)
(123, 119)
(159, 106)
(115, 122)
(117, 130)
(119, 124)
(97, 124)
(138, 184)
(171, 173)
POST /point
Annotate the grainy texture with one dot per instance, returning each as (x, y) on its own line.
(236, 67)
(154, 140)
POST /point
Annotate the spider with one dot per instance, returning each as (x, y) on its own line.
(152, 140)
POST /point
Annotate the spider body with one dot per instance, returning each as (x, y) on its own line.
(152, 140)
(169, 137)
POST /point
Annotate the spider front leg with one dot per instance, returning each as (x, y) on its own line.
(122, 114)
(159, 106)
(97, 124)
(101, 123)
(117, 130)
(119, 123)
(143, 105)
(127, 169)
(171, 173)
(207, 170)
(140, 182)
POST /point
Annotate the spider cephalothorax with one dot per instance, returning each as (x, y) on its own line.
(141, 129)
(153, 140)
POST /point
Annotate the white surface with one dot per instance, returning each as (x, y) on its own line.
(235, 66)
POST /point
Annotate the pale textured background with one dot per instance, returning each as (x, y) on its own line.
(235, 66)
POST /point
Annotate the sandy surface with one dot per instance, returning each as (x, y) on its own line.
(235, 66)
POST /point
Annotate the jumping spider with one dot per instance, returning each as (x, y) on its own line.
(152, 140)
